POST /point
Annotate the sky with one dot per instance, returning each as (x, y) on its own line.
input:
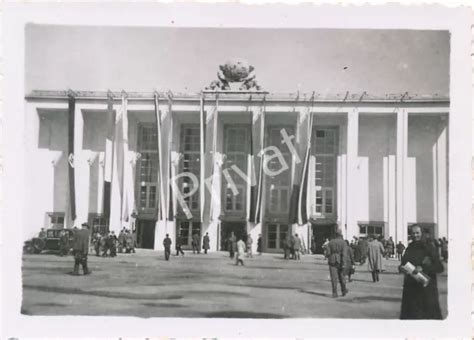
(286, 60)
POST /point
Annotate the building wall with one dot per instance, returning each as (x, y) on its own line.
(426, 169)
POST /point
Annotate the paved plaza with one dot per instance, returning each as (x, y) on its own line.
(145, 285)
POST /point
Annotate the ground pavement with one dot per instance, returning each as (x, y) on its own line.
(145, 285)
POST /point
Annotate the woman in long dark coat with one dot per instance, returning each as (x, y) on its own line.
(420, 302)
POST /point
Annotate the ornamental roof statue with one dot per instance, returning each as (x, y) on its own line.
(235, 74)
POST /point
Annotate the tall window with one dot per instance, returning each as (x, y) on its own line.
(324, 147)
(278, 187)
(190, 148)
(98, 223)
(147, 168)
(236, 146)
(186, 230)
(276, 235)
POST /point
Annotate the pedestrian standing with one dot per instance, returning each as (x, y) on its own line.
(390, 247)
(167, 244)
(206, 243)
(112, 244)
(349, 263)
(249, 244)
(296, 247)
(232, 244)
(195, 244)
(375, 253)
(240, 252)
(363, 246)
(400, 249)
(259, 244)
(63, 243)
(335, 255)
(420, 302)
(81, 249)
(121, 240)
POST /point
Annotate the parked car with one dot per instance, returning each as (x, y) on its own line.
(50, 243)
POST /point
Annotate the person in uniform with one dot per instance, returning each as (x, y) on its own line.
(249, 244)
(240, 252)
(179, 248)
(390, 247)
(205, 243)
(259, 244)
(400, 249)
(420, 302)
(375, 253)
(296, 247)
(63, 243)
(81, 249)
(335, 254)
(195, 244)
(349, 263)
(232, 244)
(167, 244)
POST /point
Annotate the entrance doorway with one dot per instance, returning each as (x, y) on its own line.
(321, 232)
(146, 234)
(276, 236)
(185, 232)
(239, 229)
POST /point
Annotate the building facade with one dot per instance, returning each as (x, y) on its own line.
(236, 161)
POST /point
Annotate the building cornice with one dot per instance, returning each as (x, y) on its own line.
(241, 96)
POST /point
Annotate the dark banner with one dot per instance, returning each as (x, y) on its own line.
(72, 188)
(108, 159)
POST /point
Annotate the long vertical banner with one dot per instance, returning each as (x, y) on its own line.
(127, 175)
(210, 134)
(162, 206)
(258, 204)
(302, 195)
(255, 118)
(202, 155)
(108, 161)
(72, 188)
(171, 206)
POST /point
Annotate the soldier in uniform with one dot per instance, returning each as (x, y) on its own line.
(81, 249)
(167, 244)
(335, 251)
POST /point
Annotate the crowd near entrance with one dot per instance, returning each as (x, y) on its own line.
(238, 228)
(321, 232)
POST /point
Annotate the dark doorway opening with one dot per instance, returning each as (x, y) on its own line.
(239, 229)
(146, 234)
(321, 232)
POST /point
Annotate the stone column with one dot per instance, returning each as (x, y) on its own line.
(401, 156)
(352, 228)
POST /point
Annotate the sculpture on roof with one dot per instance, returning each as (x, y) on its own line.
(235, 74)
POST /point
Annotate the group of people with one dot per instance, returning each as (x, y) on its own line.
(107, 244)
(292, 247)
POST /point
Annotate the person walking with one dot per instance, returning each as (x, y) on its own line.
(167, 244)
(81, 249)
(249, 244)
(375, 253)
(349, 263)
(296, 247)
(240, 252)
(335, 254)
(259, 244)
(400, 249)
(232, 244)
(363, 246)
(420, 302)
(179, 249)
(205, 243)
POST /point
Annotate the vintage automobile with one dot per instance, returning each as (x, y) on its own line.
(49, 243)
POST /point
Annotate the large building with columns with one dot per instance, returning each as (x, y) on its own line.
(368, 165)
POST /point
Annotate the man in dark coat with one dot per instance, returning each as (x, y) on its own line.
(363, 246)
(232, 244)
(349, 263)
(259, 244)
(195, 244)
(389, 247)
(63, 243)
(420, 302)
(335, 250)
(179, 249)
(296, 247)
(205, 243)
(375, 253)
(167, 244)
(112, 244)
(81, 249)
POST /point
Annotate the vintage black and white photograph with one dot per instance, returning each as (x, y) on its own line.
(260, 179)
(244, 173)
